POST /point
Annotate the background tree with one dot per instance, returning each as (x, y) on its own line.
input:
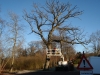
(2, 30)
(61, 42)
(34, 46)
(44, 21)
(2, 25)
(95, 42)
(15, 30)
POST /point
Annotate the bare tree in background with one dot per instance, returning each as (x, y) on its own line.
(44, 21)
(68, 36)
(95, 41)
(15, 30)
(2, 25)
(2, 63)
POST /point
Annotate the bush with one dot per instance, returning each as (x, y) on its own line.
(76, 61)
(27, 63)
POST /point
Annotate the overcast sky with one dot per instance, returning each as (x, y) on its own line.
(89, 21)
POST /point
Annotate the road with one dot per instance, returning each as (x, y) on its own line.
(51, 73)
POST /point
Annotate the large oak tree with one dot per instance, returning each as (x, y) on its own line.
(46, 20)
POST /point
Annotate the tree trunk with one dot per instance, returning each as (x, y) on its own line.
(46, 66)
(47, 63)
(13, 57)
(12, 63)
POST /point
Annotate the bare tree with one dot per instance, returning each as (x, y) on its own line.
(31, 50)
(2, 25)
(35, 46)
(95, 41)
(44, 21)
(67, 37)
(15, 30)
(2, 63)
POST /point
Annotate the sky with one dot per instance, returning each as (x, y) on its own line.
(89, 20)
